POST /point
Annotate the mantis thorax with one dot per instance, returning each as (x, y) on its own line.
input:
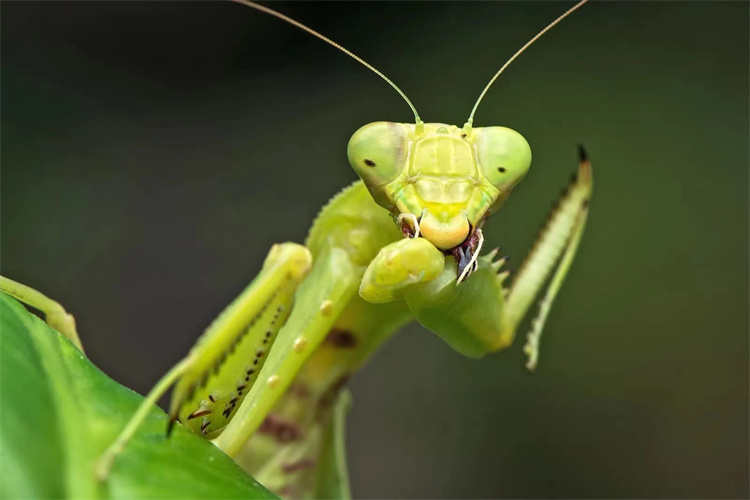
(445, 178)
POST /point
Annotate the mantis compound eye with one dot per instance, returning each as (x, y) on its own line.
(504, 156)
(377, 153)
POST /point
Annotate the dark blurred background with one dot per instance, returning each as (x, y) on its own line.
(152, 152)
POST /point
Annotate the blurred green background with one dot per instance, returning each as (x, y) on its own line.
(152, 152)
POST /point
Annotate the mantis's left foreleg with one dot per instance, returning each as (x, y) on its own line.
(554, 249)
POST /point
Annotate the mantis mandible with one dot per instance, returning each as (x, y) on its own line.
(403, 243)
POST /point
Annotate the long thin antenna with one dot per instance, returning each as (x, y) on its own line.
(301, 26)
(470, 121)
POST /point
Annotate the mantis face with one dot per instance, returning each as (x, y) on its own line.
(442, 178)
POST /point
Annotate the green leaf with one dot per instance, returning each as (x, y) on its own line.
(59, 413)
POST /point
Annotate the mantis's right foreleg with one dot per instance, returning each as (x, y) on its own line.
(398, 266)
(212, 381)
(550, 259)
(320, 301)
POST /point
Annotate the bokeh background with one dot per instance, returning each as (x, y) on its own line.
(152, 152)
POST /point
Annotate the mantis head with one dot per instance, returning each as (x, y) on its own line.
(439, 182)
(438, 179)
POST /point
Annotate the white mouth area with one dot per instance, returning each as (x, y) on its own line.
(412, 220)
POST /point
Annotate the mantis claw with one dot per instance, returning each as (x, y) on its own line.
(467, 260)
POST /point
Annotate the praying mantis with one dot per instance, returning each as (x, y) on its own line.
(266, 381)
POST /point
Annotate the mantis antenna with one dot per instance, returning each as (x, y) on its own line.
(470, 121)
(301, 26)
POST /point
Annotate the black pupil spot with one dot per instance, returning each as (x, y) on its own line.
(501, 169)
(369, 162)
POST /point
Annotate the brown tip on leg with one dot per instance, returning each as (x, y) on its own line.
(172, 420)
(582, 155)
(584, 167)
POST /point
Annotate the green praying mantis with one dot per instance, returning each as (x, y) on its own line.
(266, 380)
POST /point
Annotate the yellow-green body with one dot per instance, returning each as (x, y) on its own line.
(369, 278)
(266, 380)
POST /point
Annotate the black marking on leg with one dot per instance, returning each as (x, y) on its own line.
(198, 413)
(229, 351)
(305, 463)
(341, 339)
(204, 425)
(266, 314)
(284, 431)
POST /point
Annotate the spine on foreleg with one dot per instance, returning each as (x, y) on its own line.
(227, 359)
(552, 240)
